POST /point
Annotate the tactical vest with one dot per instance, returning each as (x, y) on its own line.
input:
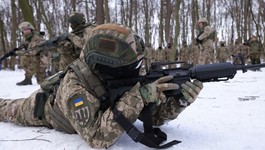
(50, 85)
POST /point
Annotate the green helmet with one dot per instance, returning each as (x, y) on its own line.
(114, 46)
(76, 19)
(25, 25)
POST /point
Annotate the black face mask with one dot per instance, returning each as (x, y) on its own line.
(131, 70)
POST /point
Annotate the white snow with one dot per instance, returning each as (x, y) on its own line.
(226, 116)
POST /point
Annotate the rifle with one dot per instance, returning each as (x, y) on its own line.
(54, 41)
(205, 73)
(12, 52)
(198, 42)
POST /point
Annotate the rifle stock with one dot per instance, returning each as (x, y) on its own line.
(205, 73)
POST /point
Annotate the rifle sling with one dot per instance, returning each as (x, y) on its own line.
(152, 137)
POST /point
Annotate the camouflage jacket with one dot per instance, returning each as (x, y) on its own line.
(35, 40)
(97, 127)
(255, 47)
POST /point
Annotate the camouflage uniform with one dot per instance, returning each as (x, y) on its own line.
(160, 54)
(168, 53)
(255, 51)
(195, 52)
(33, 61)
(242, 50)
(77, 97)
(222, 53)
(206, 37)
(245, 52)
(149, 56)
(184, 52)
(70, 50)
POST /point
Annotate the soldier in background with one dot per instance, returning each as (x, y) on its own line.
(222, 53)
(160, 54)
(236, 50)
(69, 50)
(255, 50)
(245, 52)
(205, 38)
(184, 52)
(168, 53)
(149, 56)
(33, 61)
(240, 52)
(195, 53)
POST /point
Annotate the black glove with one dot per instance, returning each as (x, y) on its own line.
(198, 41)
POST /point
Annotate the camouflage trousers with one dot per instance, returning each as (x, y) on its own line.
(21, 111)
(206, 55)
(255, 58)
(35, 65)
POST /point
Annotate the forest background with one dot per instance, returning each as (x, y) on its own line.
(158, 21)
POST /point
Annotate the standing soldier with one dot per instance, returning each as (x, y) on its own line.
(245, 52)
(33, 61)
(70, 49)
(149, 56)
(168, 53)
(184, 52)
(160, 54)
(205, 38)
(195, 53)
(222, 53)
(239, 53)
(255, 50)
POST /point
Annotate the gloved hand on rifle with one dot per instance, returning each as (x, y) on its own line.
(190, 91)
(198, 41)
(153, 92)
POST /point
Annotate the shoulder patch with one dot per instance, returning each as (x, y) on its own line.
(80, 106)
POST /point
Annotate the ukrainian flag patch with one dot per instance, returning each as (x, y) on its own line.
(78, 102)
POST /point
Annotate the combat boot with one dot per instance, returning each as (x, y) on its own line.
(26, 81)
(3, 104)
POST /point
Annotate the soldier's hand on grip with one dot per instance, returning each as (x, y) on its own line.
(191, 90)
(153, 92)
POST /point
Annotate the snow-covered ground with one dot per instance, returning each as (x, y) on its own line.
(226, 116)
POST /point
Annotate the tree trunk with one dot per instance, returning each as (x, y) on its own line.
(136, 15)
(177, 27)
(45, 19)
(100, 11)
(167, 20)
(238, 19)
(131, 13)
(146, 29)
(246, 15)
(87, 12)
(73, 2)
(161, 22)
(106, 8)
(27, 11)
(208, 8)
(194, 16)
(2, 40)
(13, 33)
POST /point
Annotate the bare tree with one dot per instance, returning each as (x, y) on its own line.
(106, 10)
(27, 11)
(100, 11)
(161, 23)
(13, 33)
(167, 20)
